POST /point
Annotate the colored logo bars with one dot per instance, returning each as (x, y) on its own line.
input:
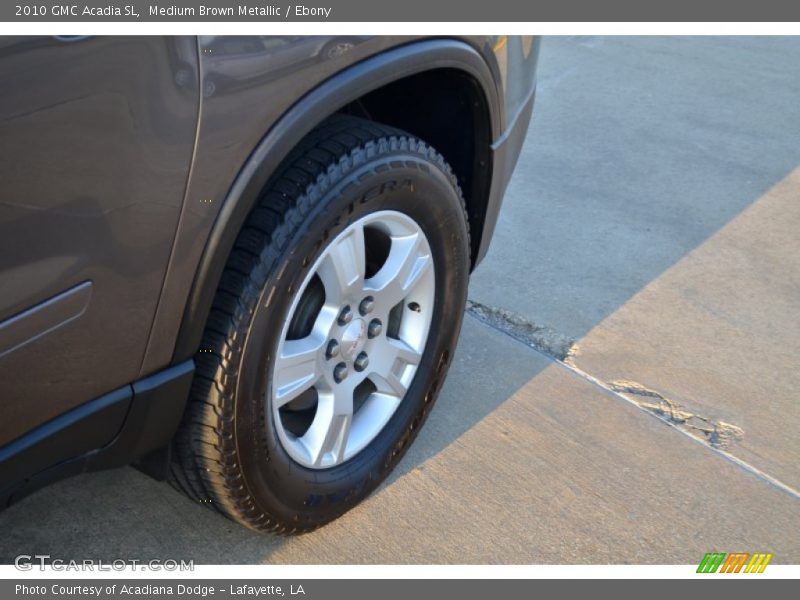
(734, 563)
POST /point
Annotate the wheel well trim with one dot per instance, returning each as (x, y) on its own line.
(321, 102)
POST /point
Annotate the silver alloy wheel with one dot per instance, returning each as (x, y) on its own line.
(365, 342)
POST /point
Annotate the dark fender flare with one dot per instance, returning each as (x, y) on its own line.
(330, 96)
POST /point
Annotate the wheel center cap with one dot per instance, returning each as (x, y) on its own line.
(353, 338)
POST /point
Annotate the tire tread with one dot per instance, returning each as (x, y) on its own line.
(204, 465)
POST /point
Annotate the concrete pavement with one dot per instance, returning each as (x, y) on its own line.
(652, 218)
(520, 462)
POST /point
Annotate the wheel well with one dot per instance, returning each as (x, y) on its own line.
(455, 108)
(447, 109)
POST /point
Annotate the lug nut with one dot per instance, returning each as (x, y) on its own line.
(333, 349)
(361, 362)
(345, 316)
(340, 372)
(366, 306)
(375, 328)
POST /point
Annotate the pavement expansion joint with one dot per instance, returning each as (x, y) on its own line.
(542, 338)
(716, 435)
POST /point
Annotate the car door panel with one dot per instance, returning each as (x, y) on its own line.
(96, 141)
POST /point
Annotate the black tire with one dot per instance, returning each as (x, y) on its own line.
(226, 453)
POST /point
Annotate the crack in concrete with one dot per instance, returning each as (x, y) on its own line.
(718, 434)
(542, 338)
(562, 348)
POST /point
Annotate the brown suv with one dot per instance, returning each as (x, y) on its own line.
(242, 262)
